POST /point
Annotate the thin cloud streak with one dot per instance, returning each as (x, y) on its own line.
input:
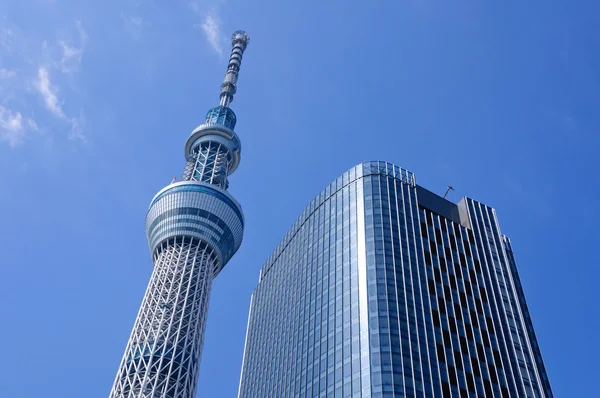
(137, 21)
(211, 25)
(71, 55)
(135, 25)
(212, 31)
(13, 127)
(77, 127)
(6, 39)
(48, 93)
(6, 74)
(42, 71)
(53, 104)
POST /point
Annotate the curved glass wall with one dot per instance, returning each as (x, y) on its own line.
(383, 289)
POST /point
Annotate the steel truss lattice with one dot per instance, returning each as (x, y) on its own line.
(162, 357)
(210, 162)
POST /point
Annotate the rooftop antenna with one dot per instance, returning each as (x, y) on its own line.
(448, 190)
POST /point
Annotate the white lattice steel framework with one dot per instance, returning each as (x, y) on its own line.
(209, 163)
(163, 353)
(194, 227)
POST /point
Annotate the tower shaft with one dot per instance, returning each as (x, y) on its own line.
(194, 227)
(163, 353)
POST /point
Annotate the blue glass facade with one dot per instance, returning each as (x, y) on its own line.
(383, 289)
(222, 116)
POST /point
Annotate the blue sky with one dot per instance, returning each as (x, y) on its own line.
(498, 99)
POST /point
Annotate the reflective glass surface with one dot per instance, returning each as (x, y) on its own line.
(372, 294)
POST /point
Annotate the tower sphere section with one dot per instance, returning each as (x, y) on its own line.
(240, 36)
(199, 210)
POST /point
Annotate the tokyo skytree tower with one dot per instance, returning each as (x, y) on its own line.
(194, 227)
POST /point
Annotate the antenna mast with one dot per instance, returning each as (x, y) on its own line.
(448, 190)
(239, 41)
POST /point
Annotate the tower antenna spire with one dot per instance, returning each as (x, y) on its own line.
(239, 41)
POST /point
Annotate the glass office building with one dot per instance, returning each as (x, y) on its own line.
(384, 289)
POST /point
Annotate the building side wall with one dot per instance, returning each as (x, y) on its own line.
(539, 363)
(511, 324)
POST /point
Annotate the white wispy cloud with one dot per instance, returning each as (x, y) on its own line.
(71, 57)
(137, 21)
(48, 93)
(195, 6)
(135, 25)
(14, 127)
(77, 127)
(211, 23)
(72, 54)
(6, 39)
(33, 63)
(6, 74)
(212, 30)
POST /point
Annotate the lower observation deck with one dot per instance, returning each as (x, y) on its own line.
(198, 210)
